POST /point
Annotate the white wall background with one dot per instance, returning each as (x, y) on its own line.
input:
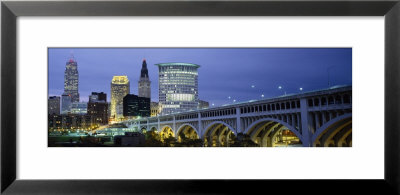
(364, 160)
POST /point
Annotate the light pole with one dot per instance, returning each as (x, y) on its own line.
(280, 88)
(327, 70)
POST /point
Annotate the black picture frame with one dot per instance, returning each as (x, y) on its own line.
(10, 10)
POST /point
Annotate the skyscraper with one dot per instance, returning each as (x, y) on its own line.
(66, 103)
(71, 79)
(119, 89)
(54, 105)
(144, 81)
(178, 87)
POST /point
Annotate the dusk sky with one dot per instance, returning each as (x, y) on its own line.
(224, 71)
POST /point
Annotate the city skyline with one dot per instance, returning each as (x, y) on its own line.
(225, 72)
(303, 112)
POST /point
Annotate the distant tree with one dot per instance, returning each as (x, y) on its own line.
(197, 143)
(152, 139)
(187, 142)
(243, 140)
(170, 141)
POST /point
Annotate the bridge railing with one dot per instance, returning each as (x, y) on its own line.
(290, 102)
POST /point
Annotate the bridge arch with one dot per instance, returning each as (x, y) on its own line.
(143, 129)
(340, 126)
(166, 131)
(218, 133)
(185, 125)
(163, 127)
(260, 129)
(206, 129)
(153, 128)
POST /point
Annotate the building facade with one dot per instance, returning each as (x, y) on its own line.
(71, 121)
(79, 108)
(71, 80)
(203, 104)
(66, 103)
(54, 105)
(98, 96)
(120, 87)
(178, 87)
(98, 107)
(144, 82)
(154, 109)
(135, 106)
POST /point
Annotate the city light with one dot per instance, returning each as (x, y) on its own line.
(280, 88)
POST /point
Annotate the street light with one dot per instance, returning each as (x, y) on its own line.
(301, 88)
(280, 88)
(262, 96)
(327, 70)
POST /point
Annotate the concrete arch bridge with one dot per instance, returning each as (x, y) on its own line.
(316, 118)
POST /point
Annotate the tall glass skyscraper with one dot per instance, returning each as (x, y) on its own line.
(178, 87)
(144, 82)
(119, 89)
(66, 103)
(71, 80)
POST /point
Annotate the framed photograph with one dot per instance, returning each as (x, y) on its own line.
(172, 96)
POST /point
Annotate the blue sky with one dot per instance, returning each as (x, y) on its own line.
(224, 72)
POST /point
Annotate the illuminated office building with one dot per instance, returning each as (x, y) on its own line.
(178, 87)
(119, 89)
(66, 103)
(71, 80)
(144, 82)
(98, 107)
(155, 109)
(71, 121)
(79, 108)
(54, 105)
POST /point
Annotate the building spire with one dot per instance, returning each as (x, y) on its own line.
(144, 82)
(72, 57)
(144, 73)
